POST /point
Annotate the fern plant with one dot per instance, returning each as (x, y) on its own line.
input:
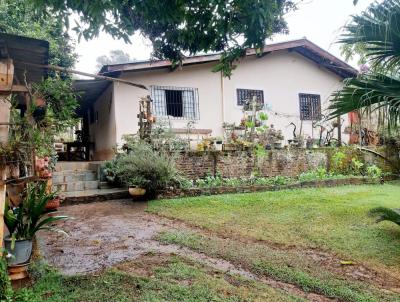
(386, 214)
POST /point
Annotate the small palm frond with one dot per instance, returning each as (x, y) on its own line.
(382, 214)
(370, 91)
(378, 28)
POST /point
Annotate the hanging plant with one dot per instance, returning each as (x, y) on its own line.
(59, 99)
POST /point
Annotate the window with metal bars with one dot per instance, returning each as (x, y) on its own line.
(246, 95)
(176, 102)
(310, 107)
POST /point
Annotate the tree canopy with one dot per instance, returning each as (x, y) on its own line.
(19, 17)
(375, 34)
(178, 27)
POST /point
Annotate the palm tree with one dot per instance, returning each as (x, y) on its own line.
(377, 32)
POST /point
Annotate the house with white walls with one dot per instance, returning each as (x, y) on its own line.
(294, 80)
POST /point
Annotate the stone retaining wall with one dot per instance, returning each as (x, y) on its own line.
(286, 162)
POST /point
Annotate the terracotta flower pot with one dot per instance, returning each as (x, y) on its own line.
(53, 204)
(45, 173)
(40, 102)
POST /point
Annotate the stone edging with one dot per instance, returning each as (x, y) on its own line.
(179, 193)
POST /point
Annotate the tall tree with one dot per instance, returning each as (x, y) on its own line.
(114, 57)
(376, 34)
(19, 17)
(181, 26)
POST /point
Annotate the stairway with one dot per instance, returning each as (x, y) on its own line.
(75, 176)
(80, 182)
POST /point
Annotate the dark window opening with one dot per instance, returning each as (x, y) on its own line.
(310, 107)
(174, 101)
(246, 95)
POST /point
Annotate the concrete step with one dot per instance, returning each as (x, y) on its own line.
(77, 165)
(74, 176)
(75, 186)
(76, 197)
(105, 185)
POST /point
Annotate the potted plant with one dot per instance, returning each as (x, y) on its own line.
(136, 190)
(24, 221)
(218, 143)
(144, 170)
(53, 204)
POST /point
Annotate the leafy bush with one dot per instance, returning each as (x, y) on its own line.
(218, 181)
(374, 171)
(339, 164)
(109, 171)
(356, 166)
(320, 173)
(145, 168)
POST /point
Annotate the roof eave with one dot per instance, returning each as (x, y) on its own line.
(326, 59)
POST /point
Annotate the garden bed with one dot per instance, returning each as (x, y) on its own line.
(191, 192)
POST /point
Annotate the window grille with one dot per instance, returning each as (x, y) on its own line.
(245, 95)
(176, 102)
(310, 107)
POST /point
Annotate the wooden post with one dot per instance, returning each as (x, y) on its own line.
(254, 118)
(2, 205)
(339, 134)
(4, 118)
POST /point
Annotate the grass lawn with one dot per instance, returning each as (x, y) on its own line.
(299, 237)
(332, 219)
(294, 242)
(150, 278)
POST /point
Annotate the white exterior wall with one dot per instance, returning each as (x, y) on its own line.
(281, 75)
(103, 130)
(196, 76)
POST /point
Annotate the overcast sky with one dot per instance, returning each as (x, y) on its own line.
(318, 20)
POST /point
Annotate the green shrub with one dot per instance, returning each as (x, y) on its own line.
(146, 168)
(374, 171)
(109, 172)
(356, 166)
(339, 163)
(318, 174)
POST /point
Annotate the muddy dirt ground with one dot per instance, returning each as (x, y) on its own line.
(107, 234)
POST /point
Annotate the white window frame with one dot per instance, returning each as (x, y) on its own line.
(159, 105)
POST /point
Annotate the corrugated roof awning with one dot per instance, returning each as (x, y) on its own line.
(88, 92)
